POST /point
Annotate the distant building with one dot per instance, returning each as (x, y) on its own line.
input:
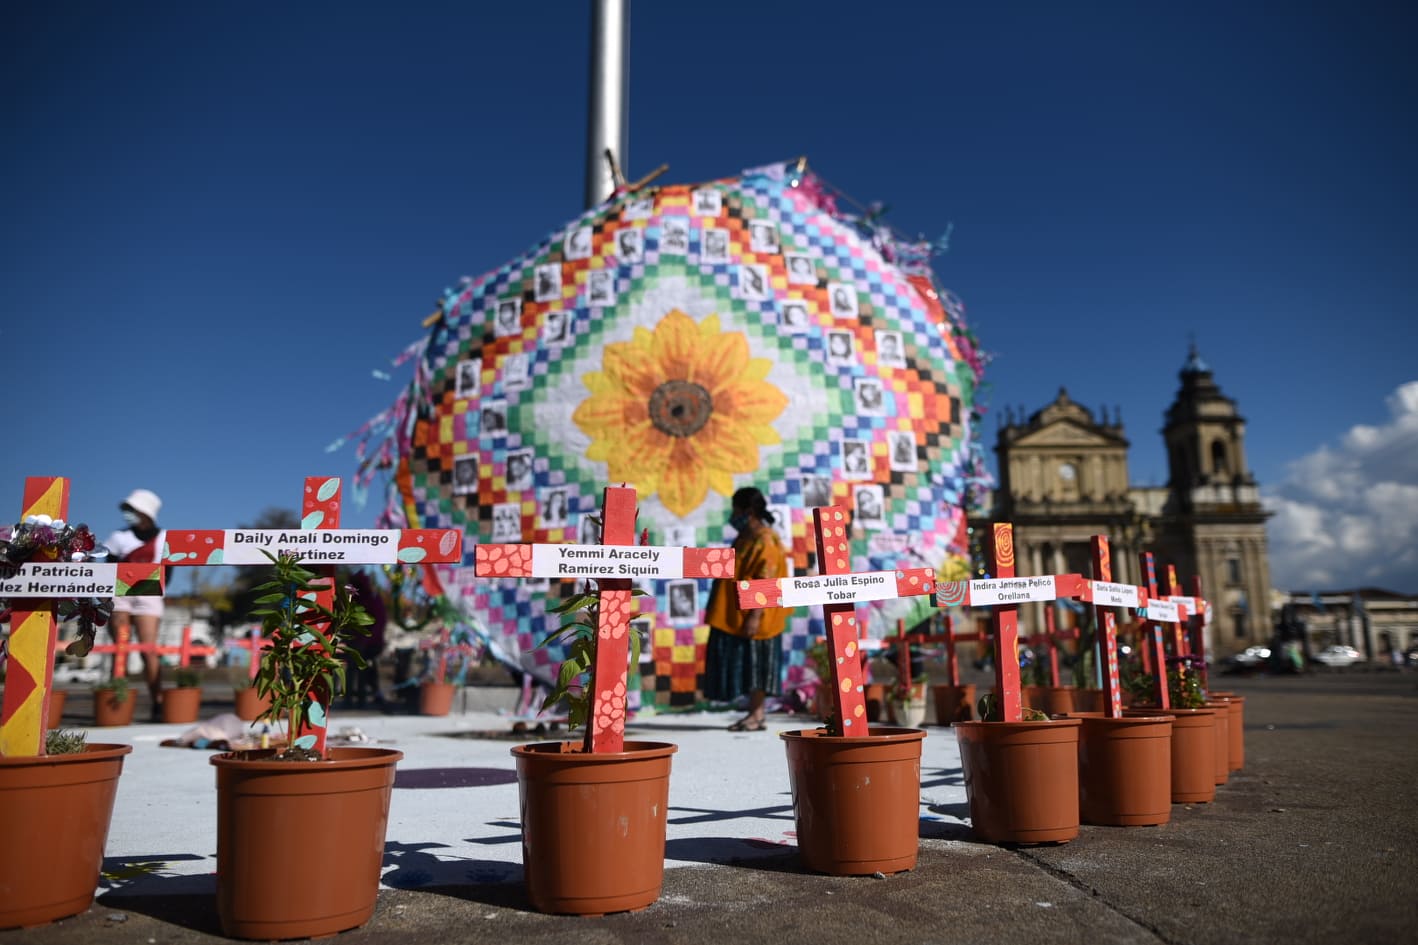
(1063, 478)
(1374, 621)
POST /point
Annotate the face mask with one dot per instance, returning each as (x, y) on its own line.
(739, 521)
(131, 517)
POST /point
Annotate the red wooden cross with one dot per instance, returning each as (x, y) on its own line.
(320, 512)
(1196, 628)
(1185, 607)
(1105, 596)
(122, 646)
(838, 589)
(1151, 641)
(34, 633)
(605, 727)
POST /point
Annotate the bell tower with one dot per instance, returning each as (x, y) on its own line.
(1213, 523)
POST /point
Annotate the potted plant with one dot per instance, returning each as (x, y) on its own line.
(269, 799)
(53, 826)
(907, 701)
(1194, 734)
(56, 791)
(248, 703)
(593, 822)
(113, 703)
(182, 702)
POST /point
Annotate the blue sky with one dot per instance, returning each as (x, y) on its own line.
(220, 218)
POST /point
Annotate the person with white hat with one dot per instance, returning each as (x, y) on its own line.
(141, 541)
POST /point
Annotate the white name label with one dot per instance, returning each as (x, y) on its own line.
(838, 588)
(1012, 590)
(311, 545)
(59, 579)
(1162, 611)
(607, 561)
(1106, 594)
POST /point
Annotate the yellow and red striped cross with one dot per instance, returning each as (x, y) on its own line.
(838, 589)
(320, 544)
(29, 674)
(605, 727)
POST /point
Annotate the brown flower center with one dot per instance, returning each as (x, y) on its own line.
(680, 408)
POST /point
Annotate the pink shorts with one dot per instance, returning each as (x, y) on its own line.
(138, 606)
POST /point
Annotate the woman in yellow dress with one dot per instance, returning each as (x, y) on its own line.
(744, 655)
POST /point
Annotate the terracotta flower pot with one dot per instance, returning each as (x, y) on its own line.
(249, 705)
(953, 704)
(436, 698)
(57, 698)
(1032, 696)
(1193, 752)
(1021, 779)
(593, 825)
(1236, 755)
(1125, 770)
(109, 711)
(856, 801)
(908, 713)
(1221, 760)
(1089, 700)
(300, 844)
(1056, 700)
(54, 817)
(182, 704)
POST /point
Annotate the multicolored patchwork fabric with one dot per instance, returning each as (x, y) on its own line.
(689, 340)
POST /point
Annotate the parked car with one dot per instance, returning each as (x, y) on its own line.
(1338, 655)
(1249, 660)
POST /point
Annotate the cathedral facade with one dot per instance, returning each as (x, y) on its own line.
(1063, 478)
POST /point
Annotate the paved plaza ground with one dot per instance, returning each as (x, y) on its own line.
(1316, 840)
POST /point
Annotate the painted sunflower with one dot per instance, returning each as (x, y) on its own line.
(680, 410)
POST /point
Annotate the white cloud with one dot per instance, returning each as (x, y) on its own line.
(1347, 516)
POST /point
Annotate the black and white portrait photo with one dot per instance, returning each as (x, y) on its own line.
(465, 475)
(556, 328)
(516, 371)
(548, 282)
(856, 459)
(509, 318)
(762, 236)
(630, 244)
(493, 418)
(889, 350)
(643, 627)
(674, 236)
(470, 374)
(843, 299)
(638, 208)
(901, 450)
(507, 522)
(714, 245)
(816, 492)
(600, 288)
(679, 536)
(707, 202)
(870, 509)
(753, 283)
(839, 347)
(519, 471)
(684, 602)
(871, 400)
(783, 523)
(551, 508)
(589, 530)
(801, 269)
(578, 243)
(793, 316)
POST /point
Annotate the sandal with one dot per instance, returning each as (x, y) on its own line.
(748, 725)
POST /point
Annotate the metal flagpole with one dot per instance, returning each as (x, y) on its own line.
(607, 126)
